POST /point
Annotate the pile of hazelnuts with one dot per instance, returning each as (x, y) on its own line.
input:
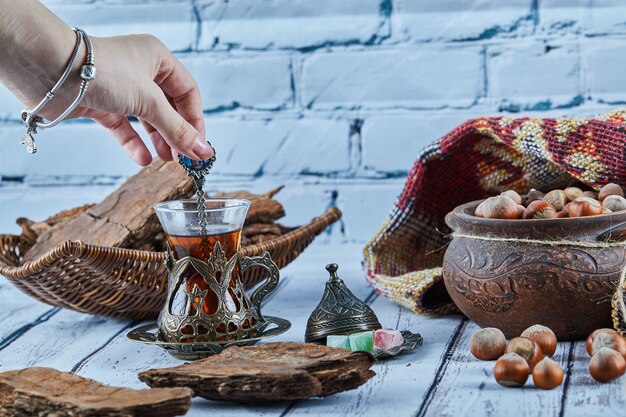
(556, 204)
(530, 354)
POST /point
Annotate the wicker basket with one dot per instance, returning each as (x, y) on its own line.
(125, 283)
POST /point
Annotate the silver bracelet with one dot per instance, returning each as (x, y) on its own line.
(32, 121)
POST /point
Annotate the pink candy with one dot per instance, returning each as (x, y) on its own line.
(385, 339)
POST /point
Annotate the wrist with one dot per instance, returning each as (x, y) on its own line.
(33, 61)
(49, 67)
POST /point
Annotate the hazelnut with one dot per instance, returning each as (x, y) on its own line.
(609, 340)
(547, 374)
(513, 195)
(544, 336)
(610, 189)
(561, 214)
(488, 344)
(539, 209)
(594, 334)
(511, 370)
(527, 349)
(572, 193)
(557, 198)
(499, 207)
(614, 203)
(589, 200)
(582, 208)
(606, 365)
(590, 194)
(479, 210)
(533, 195)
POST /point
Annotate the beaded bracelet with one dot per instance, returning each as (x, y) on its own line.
(32, 121)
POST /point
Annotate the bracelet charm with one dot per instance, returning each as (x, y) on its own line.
(88, 72)
(29, 141)
(31, 128)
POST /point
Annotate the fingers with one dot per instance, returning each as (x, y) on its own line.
(179, 85)
(126, 136)
(177, 132)
(162, 148)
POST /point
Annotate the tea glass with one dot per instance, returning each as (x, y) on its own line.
(206, 299)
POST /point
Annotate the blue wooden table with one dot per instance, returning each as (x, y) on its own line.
(439, 379)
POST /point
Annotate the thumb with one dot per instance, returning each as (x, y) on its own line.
(177, 132)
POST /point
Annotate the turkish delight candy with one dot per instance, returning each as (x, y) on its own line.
(338, 341)
(363, 341)
(385, 339)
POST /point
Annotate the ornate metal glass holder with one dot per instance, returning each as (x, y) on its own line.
(150, 334)
(193, 331)
(207, 308)
(234, 317)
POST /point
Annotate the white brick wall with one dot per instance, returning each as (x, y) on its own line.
(289, 24)
(333, 98)
(587, 17)
(173, 22)
(535, 76)
(72, 149)
(395, 78)
(250, 81)
(606, 84)
(281, 148)
(460, 20)
(392, 142)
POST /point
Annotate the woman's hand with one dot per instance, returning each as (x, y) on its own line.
(136, 76)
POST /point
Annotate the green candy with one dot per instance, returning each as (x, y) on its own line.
(363, 341)
(338, 342)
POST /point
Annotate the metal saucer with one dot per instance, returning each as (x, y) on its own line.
(411, 341)
(149, 334)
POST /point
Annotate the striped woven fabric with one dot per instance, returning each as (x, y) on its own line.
(480, 158)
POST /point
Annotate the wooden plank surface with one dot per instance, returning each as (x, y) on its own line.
(467, 386)
(18, 312)
(401, 383)
(60, 342)
(585, 397)
(439, 379)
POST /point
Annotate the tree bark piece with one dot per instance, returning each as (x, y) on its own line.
(269, 372)
(260, 238)
(67, 214)
(48, 392)
(125, 218)
(248, 195)
(262, 229)
(265, 210)
(31, 230)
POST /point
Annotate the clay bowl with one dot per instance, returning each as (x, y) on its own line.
(512, 285)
